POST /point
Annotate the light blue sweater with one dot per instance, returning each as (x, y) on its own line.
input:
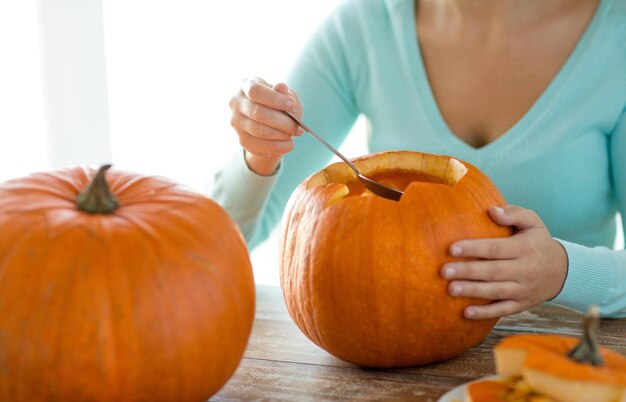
(565, 158)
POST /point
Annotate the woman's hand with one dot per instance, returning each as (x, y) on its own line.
(264, 131)
(516, 272)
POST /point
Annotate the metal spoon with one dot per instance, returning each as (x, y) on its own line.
(373, 186)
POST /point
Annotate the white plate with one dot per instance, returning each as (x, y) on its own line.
(457, 394)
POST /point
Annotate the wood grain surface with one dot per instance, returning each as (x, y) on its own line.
(281, 364)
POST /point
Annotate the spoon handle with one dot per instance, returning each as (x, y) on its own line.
(320, 139)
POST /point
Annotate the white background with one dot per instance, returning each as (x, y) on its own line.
(22, 135)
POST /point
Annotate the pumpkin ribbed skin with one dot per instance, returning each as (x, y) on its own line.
(153, 302)
(360, 274)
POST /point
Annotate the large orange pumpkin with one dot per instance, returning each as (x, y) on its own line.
(360, 274)
(141, 293)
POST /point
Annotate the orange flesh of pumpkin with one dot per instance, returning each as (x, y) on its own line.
(548, 353)
(512, 389)
(613, 372)
(486, 391)
(399, 180)
(397, 169)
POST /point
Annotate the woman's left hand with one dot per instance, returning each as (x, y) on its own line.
(516, 272)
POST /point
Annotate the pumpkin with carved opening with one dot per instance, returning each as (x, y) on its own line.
(360, 274)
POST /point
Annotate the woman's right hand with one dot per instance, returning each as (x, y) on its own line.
(264, 131)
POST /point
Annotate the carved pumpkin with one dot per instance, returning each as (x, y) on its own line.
(360, 274)
(141, 293)
(564, 368)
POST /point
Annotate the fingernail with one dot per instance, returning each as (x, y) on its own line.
(456, 290)
(300, 131)
(289, 103)
(449, 271)
(469, 313)
(499, 210)
(456, 251)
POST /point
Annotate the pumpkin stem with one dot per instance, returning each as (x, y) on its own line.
(588, 350)
(97, 197)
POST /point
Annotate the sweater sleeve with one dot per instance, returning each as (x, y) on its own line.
(241, 192)
(598, 275)
(321, 77)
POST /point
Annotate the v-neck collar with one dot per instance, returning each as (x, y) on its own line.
(522, 125)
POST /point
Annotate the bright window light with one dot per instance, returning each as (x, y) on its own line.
(22, 135)
(173, 65)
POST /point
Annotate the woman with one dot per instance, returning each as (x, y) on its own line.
(532, 92)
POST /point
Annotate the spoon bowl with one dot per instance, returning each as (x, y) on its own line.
(375, 187)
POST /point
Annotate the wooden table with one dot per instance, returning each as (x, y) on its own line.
(281, 364)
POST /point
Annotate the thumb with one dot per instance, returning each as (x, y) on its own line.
(511, 215)
(282, 88)
(297, 107)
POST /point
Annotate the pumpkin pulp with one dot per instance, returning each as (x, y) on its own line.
(399, 180)
(395, 169)
(511, 389)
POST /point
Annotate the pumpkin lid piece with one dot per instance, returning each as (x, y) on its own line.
(586, 373)
(594, 373)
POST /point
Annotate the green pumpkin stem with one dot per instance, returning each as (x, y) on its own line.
(588, 350)
(97, 197)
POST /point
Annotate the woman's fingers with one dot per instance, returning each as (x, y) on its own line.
(260, 130)
(261, 103)
(265, 131)
(493, 310)
(498, 248)
(502, 248)
(517, 272)
(485, 290)
(282, 88)
(481, 270)
(518, 217)
(259, 91)
(264, 147)
(506, 296)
